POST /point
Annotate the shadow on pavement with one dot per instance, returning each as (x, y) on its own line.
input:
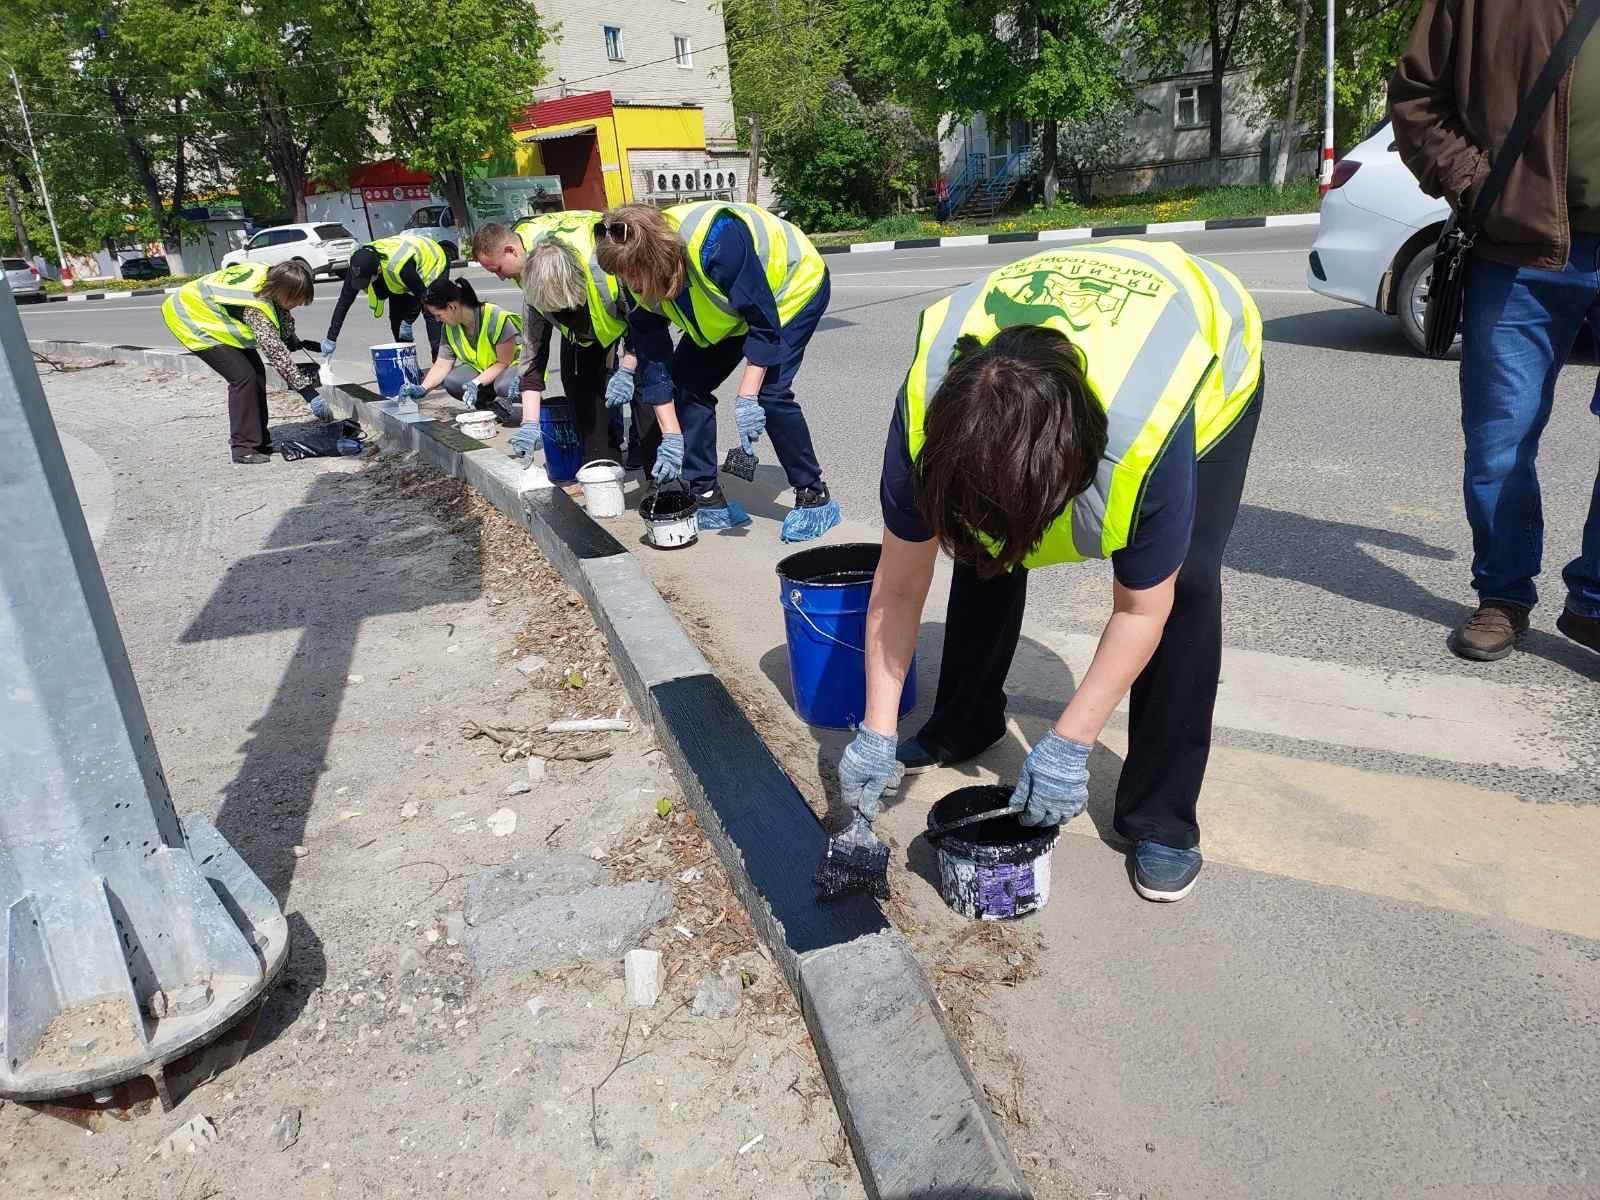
(324, 574)
(1357, 330)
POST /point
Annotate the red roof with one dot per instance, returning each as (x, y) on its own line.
(558, 112)
(388, 173)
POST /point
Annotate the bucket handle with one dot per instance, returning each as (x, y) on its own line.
(793, 605)
(603, 462)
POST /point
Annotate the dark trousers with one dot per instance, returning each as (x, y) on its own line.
(406, 307)
(1169, 720)
(583, 381)
(247, 395)
(698, 371)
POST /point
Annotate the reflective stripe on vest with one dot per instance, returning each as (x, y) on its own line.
(1149, 322)
(575, 229)
(196, 316)
(481, 353)
(794, 277)
(394, 253)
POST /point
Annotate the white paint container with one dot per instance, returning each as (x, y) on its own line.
(478, 424)
(602, 488)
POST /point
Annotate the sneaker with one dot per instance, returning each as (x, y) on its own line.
(1491, 633)
(917, 756)
(250, 458)
(1581, 629)
(1164, 873)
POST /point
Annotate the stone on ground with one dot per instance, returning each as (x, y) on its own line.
(645, 975)
(499, 890)
(597, 924)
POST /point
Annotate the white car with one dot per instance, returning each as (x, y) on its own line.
(22, 277)
(1375, 244)
(321, 245)
(438, 222)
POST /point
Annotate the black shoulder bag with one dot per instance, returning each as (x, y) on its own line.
(1442, 320)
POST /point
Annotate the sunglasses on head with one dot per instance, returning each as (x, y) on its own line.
(616, 231)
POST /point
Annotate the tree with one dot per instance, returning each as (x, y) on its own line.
(1045, 60)
(1096, 138)
(1289, 133)
(447, 98)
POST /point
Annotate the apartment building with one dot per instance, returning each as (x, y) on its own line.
(647, 54)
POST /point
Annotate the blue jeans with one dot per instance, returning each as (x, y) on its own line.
(1517, 328)
(698, 371)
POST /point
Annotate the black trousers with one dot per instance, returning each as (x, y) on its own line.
(583, 381)
(247, 395)
(1169, 721)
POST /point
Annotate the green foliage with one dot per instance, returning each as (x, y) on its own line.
(901, 225)
(782, 55)
(849, 161)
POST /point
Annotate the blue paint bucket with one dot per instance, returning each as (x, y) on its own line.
(563, 448)
(394, 364)
(824, 592)
(992, 870)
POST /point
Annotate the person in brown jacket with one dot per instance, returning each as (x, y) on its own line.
(1532, 282)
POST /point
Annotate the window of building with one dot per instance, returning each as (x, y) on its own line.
(682, 50)
(1195, 106)
(613, 42)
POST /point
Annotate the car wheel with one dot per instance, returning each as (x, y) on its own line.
(449, 249)
(1411, 300)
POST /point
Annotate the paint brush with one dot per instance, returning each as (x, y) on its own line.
(856, 860)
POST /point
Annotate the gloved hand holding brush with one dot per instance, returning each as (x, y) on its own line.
(856, 859)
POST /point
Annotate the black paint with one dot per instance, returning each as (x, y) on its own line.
(848, 564)
(148, 292)
(1000, 839)
(94, 295)
(121, 346)
(759, 810)
(446, 433)
(915, 243)
(578, 531)
(1025, 235)
(361, 393)
(1101, 231)
(833, 249)
(1237, 223)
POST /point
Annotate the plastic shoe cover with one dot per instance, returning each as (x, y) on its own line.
(712, 519)
(805, 524)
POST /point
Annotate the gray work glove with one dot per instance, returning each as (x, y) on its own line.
(1054, 786)
(669, 458)
(619, 389)
(527, 440)
(405, 331)
(751, 419)
(412, 391)
(469, 394)
(867, 770)
(317, 403)
(328, 345)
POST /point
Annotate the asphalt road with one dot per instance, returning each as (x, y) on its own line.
(1351, 549)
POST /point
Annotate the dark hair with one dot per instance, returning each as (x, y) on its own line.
(442, 292)
(1014, 432)
(651, 252)
(289, 283)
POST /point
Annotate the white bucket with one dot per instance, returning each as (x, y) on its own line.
(602, 488)
(478, 424)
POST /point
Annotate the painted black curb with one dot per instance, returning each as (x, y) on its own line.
(1081, 233)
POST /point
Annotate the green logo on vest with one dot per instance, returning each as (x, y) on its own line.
(1068, 284)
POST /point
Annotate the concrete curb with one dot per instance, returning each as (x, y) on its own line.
(1080, 234)
(917, 1121)
(142, 356)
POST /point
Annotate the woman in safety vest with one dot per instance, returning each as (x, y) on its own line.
(396, 270)
(743, 285)
(476, 357)
(552, 257)
(230, 318)
(1094, 402)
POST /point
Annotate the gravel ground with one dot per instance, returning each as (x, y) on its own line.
(319, 644)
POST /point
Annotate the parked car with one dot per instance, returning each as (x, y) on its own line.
(153, 267)
(438, 222)
(1375, 244)
(23, 278)
(323, 246)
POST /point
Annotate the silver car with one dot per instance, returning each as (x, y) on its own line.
(23, 278)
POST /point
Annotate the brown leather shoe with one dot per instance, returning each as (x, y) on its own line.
(1490, 633)
(1581, 629)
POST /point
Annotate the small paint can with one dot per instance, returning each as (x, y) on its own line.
(995, 870)
(479, 423)
(602, 488)
(669, 517)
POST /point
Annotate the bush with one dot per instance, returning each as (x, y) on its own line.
(901, 225)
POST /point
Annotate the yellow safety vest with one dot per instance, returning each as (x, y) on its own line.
(480, 354)
(197, 313)
(394, 253)
(575, 229)
(795, 272)
(1160, 333)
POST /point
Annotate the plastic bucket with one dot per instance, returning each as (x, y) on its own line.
(478, 424)
(394, 364)
(995, 870)
(824, 592)
(602, 488)
(563, 449)
(669, 517)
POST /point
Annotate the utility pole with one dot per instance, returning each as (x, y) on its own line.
(38, 169)
(752, 176)
(1327, 127)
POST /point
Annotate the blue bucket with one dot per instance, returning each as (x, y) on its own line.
(563, 449)
(824, 592)
(394, 364)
